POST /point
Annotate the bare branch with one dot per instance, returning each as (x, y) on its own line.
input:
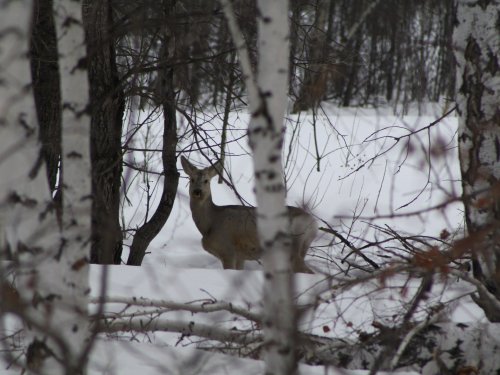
(204, 306)
(212, 332)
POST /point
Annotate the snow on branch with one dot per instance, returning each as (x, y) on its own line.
(186, 328)
(203, 306)
(437, 341)
(484, 298)
(429, 348)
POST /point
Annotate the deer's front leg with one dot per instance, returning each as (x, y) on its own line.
(229, 263)
(239, 264)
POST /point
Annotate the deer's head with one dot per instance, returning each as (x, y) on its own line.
(199, 179)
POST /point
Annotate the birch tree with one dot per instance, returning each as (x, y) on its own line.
(76, 182)
(267, 90)
(477, 50)
(51, 264)
(24, 195)
(28, 225)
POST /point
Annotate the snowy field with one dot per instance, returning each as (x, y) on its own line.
(350, 181)
(350, 190)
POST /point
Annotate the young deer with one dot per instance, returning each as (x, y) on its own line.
(230, 232)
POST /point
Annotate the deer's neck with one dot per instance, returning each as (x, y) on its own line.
(203, 214)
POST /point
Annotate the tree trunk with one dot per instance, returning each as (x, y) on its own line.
(46, 86)
(265, 133)
(267, 92)
(477, 50)
(75, 187)
(389, 65)
(51, 273)
(353, 74)
(145, 234)
(107, 105)
(314, 85)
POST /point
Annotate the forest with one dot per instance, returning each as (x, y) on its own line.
(269, 186)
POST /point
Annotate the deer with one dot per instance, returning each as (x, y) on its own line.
(230, 232)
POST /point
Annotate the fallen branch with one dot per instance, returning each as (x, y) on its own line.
(203, 306)
(186, 328)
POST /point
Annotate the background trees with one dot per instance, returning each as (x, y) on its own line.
(341, 51)
(350, 52)
(165, 96)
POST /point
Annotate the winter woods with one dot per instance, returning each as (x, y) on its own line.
(380, 118)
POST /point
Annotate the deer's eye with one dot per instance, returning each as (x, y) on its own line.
(206, 181)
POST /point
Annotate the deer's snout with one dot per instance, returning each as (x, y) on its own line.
(197, 193)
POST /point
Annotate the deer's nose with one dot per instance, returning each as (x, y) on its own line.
(197, 193)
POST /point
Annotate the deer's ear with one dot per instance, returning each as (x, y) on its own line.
(216, 169)
(187, 166)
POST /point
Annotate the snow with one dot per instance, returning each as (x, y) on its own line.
(346, 142)
(178, 269)
(124, 357)
(151, 359)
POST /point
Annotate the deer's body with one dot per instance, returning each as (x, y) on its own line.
(230, 232)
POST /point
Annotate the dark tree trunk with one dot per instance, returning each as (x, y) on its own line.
(449, 67)
(353, 73)
(107, 105)
(389, 70)
(295, 10)
(145, 234)
(314, 85)
(46, 86)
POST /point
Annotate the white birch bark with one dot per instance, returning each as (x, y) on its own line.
(76, 180)
(52, 271)
(76, 177)
(267, 101)
(29, 227)
(477, 50)
(265, 133)
(24, 193)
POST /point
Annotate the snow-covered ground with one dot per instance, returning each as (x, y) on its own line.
(118, 357)
(348, 182)
(166, 353)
